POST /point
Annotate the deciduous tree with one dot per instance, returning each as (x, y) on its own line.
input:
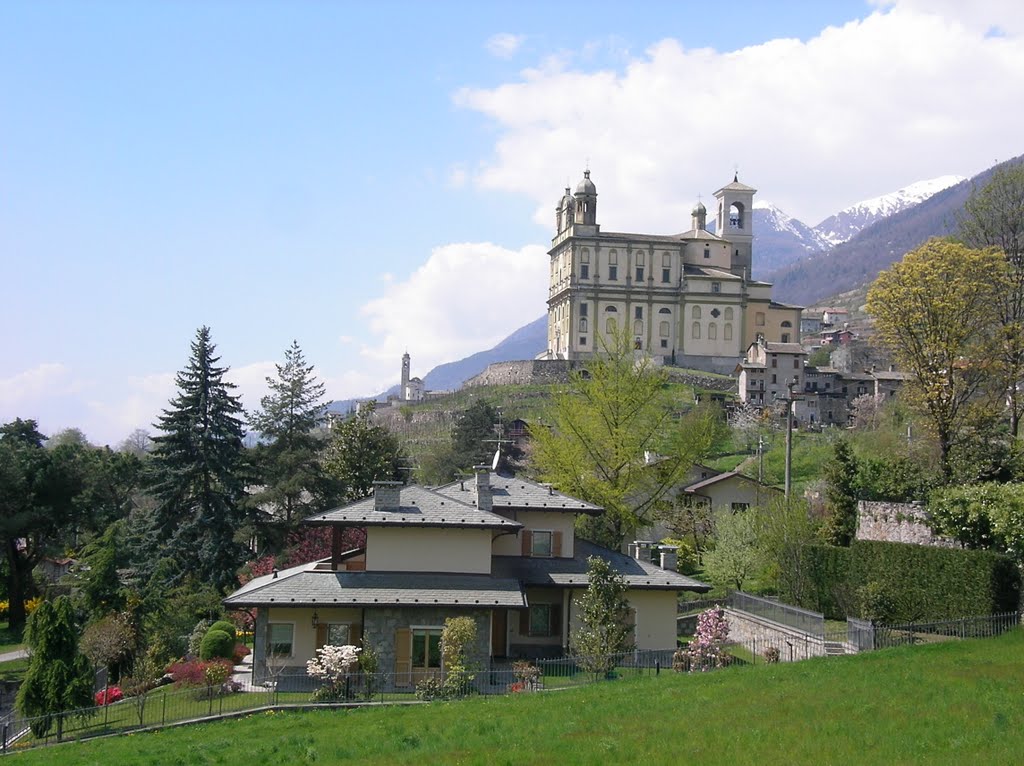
(598, 433)
(936, 310)
(604, 627)
(993, 216)
(360, 453)
(737, 555)
(199, 469)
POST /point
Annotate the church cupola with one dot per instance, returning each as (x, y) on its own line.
(699, 217)
(586, 201)
(564, 211)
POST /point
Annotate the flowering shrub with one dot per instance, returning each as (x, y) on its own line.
(241, 652)
(197, 673)
(772, 655)
(331, 665)
(517, 687)
(527, 674)
(706, 649)
(108, 696)
(429, 689)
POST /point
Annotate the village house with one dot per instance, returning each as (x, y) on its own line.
(500, 550)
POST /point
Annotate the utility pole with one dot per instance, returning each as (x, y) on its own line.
(789, 400)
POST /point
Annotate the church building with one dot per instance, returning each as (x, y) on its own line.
(686, 298)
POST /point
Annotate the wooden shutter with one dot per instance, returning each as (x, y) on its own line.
(321, 634)
(524, 622)
(527, 542)
(355, 634)
(403, 657)
(556, 619)
(556, 544)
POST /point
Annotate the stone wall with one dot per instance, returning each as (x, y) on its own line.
(897, 523)
(523, 373)
(381, 624)
(792, 644)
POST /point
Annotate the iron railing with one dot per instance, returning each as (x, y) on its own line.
(803, 620)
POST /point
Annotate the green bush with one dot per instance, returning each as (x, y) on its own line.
(227, 627)
(905, 582)
(216, 644)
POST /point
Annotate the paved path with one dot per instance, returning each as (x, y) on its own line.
(242, 674)
(15, 655)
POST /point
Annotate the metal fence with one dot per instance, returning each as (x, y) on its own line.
(812, 623)
(986, 626)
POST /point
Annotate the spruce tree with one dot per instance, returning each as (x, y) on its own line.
(199, 470)
(288, 459)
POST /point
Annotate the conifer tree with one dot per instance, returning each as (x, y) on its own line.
(58, 678)
(604, 627)
(288, 461)
(199, 470)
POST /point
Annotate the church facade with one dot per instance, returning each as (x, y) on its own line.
(687, 298)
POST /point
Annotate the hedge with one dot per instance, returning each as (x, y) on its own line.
(216, 644)
(920, 582)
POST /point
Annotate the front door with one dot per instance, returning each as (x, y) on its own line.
(499, 632)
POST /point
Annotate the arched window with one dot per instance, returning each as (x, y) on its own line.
(728, 314)
(696, 330)
(663, 329)
(727, 334)
(611, 309)
(695, 313)
(638, 327)
(609, 326)
(664, 311)
(736, 215)
(787, 323)
(712, 331)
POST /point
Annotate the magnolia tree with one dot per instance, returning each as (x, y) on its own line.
(706, 651)
(331, 665)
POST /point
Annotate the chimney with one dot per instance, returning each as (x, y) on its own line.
(669, 557)
(484, 501)
(642, 550)
(387, 495)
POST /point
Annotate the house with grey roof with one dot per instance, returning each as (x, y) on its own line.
(500, 550)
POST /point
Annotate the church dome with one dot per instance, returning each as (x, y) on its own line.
(586, 186)
(699, 209)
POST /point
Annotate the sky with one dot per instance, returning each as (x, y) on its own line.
(370, 178)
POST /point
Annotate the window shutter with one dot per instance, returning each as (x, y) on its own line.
(524, 622)
(403, 657)
(355, 634)
(527, 542)
(556, 544)
(321, 635)
(556, 619)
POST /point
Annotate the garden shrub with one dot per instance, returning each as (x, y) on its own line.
(108, 696)
(430, 689)
(216, 643)
(227, 627)
(900, 582)
(241, 651)
(772, 655)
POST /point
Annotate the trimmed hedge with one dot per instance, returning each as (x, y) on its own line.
(920, 582)
(217, 644)
(227, 627)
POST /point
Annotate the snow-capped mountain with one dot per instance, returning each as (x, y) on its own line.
(843, 225)
(780, 239)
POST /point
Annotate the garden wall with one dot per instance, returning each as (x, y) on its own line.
(792, 644)
(897, 523)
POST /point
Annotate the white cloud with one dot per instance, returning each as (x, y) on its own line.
(29, 386)
(464, 299)
(862, 109)
(504, 45)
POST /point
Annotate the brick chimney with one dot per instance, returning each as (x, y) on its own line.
(484, 500)
(387, 495)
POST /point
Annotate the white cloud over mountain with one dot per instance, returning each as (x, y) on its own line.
(856, 111)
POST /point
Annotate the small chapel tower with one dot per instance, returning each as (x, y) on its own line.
(735, 222)
(586, 207)
(403, 392)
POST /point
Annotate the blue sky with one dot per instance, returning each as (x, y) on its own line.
(371, 177)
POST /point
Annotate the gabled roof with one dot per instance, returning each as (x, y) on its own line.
(722, 477)
(572, 573)
(518, 494)
(420, 507)
(306, 586)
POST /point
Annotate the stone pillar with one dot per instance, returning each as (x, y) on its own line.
(387, 495)
(484, 499)
(260, 672)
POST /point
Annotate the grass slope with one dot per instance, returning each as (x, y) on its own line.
(955, 702)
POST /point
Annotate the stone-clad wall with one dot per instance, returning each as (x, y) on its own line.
(523, 373)
(897, 523)
(382, 622)
(792, 644)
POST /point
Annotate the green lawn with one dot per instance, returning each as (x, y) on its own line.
(954, 702)
(10, 640)
(13, 670)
